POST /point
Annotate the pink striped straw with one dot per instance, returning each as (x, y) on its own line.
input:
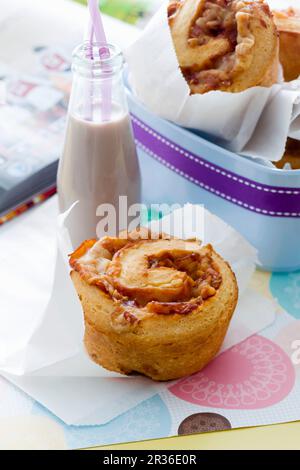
(97, 30)
(88, 106)
(90, 39)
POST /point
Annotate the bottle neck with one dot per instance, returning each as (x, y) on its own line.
(98, 91)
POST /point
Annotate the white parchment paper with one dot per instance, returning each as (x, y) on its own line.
(254, 123)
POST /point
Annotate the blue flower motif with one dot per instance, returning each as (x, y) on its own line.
(285, 287)
(148, 420)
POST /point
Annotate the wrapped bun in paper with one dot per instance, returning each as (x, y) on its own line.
(42, 351)
(221, 84)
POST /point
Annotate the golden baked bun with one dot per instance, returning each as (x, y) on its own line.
(227, 45)
(288, 25)
(159, 307)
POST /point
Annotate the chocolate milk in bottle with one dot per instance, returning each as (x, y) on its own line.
(99, 161)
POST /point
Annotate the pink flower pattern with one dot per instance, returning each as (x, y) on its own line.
(254, 374)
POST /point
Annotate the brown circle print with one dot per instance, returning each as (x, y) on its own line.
(203, 422)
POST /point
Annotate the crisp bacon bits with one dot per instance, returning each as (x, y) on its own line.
(172, 9)
(130, 317)
(168, 308)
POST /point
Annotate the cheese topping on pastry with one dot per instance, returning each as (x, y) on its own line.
(149, 276)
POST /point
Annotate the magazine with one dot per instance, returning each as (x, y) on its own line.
(35, 82)
(37, 39)
(32, 123)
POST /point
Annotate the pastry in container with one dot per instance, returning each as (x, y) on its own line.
(153, 305)
(288, 25)
(291, 156)
(227, 45)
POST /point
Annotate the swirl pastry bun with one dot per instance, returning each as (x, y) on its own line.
(156, 306)
(227, 45)
(288, 25)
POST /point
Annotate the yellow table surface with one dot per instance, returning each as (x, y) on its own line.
(276, 437)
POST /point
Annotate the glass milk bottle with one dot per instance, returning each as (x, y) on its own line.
(99, 161)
